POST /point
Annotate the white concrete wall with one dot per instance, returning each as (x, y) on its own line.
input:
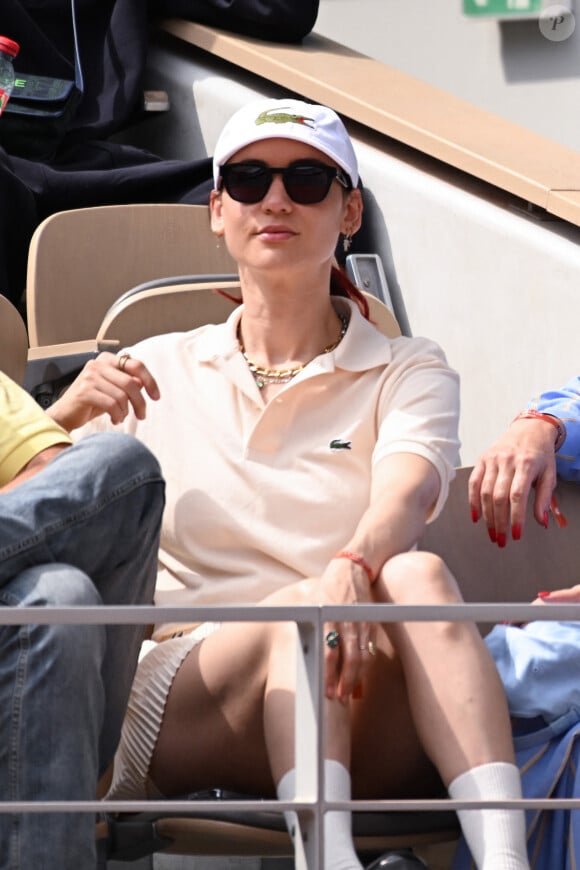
(498, 290)
(506, 67)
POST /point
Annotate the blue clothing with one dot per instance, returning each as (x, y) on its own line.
(565, 404)
(84, 531)
(540, 667)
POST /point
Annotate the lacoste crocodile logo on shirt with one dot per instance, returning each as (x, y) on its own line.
(339, 444)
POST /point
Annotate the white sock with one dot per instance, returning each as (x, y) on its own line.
(339, 853)
(496, 837)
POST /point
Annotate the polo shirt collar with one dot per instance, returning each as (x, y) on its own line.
(363, 347)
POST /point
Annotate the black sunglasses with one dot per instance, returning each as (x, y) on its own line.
(305, 183)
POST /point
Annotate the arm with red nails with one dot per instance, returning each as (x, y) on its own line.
(539, 444)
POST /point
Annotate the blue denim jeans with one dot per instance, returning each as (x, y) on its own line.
(84, 531)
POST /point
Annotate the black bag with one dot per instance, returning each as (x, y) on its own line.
(37, 116)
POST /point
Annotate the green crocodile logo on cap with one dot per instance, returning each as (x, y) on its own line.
(273, 117)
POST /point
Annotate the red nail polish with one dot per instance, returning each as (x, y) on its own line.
(557, 513)
(492, 535)
(474, 515)
(501, 539)
(544, 594)
(516, 531)
(545, 520)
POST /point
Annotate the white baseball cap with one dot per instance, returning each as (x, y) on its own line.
(286, 119)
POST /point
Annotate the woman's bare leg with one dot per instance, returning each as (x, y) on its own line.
(230, 714)
(213, 727)
(229, 722)
(459, 708)
(219, 730)
(229, 718)
(339, 853)
(456, 695)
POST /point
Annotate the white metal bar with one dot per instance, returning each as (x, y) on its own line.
(310, 803)
(308, 839)
(111, 615)
(195, 808)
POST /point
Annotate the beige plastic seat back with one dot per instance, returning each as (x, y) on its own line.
(184, 305)
(382, 317)
(81, 260)
(542, 559)
(13, 341)
(172, 307)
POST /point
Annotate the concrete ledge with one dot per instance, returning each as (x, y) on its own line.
(413, 112)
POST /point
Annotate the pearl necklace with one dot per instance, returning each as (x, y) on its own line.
(264, 376)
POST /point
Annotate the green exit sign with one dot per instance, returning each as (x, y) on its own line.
(501, 7)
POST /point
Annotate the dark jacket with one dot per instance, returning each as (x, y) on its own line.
(113, 42)
(89, 169)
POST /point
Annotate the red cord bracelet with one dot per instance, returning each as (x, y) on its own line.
(358, 560)
(531, 414)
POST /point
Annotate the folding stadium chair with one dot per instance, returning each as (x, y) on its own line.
(189, 301)
(178, 303)
(13, 341)
(81, 260)
(182, 302)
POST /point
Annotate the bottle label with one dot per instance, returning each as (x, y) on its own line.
(3, 99)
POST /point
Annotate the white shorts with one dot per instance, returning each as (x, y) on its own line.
(153, 680)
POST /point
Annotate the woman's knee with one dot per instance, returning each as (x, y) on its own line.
(418, 577)
(272, 637)
(300, 594)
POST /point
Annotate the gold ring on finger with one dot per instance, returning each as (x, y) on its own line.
(372, 648)
(122, 362)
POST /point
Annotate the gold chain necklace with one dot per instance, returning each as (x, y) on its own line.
(264, 376)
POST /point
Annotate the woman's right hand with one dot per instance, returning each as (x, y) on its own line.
(103, 387)
(345, 664)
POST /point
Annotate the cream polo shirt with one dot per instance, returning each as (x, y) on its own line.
(260, 495)
(25, 429)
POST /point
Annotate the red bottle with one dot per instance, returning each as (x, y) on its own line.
(8, 51)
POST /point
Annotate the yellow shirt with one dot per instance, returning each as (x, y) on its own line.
(25, 429)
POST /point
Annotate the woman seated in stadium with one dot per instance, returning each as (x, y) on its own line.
(303, 453)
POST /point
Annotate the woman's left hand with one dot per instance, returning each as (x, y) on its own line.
(345, 664)
(503, 477)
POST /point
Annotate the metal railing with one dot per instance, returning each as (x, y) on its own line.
(309, 803)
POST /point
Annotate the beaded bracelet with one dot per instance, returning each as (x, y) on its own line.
(531, 414)
(358, 560)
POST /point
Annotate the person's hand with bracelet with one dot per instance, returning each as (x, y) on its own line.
(522, 458)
